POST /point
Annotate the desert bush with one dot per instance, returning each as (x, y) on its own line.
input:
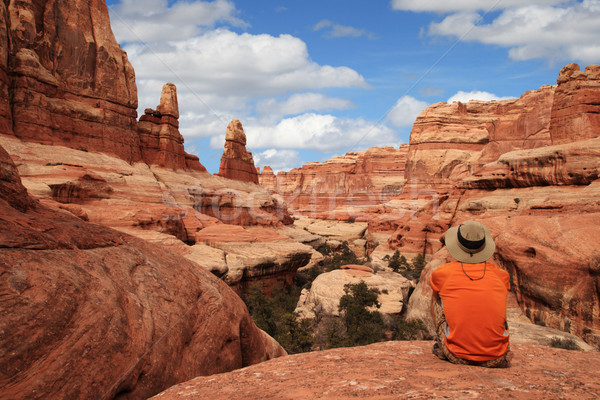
(362, 325)
(334, 259)
(564, 343)
(407, 330)
(275, 315)
(400, 265)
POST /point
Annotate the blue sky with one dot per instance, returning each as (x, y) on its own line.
(313, 79)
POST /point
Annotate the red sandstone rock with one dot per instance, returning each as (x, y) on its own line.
(64, 78)
(88, 312)
(402, 370)
(355, 267)
(576, 109)
(160, 140)
(237, 162)
(494, 162)
(342, 188)
(165, 206)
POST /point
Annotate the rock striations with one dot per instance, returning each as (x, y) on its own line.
(528, 167)
(350, 186)
(160, 140)
(237, 162)
(64, 80)
(89, 312)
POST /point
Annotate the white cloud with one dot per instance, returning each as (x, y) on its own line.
(475, 95)
(445, 6)
(224, 62)
(334, 30)
(300, 103)
(405, 111)
(279, 160)
(533, 30)
(317, 132)
(215, 85)
(154, 20)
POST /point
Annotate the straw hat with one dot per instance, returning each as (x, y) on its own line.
(470, 243)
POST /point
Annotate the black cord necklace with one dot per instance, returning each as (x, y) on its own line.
(474, 279)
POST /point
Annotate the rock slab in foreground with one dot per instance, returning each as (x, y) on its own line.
(402, 370)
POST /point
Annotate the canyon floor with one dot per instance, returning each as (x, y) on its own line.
(407, 370)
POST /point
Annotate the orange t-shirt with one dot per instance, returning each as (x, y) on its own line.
(475, 309)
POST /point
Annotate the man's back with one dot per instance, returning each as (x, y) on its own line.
(474, 303)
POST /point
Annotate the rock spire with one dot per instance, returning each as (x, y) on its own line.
(237, 162)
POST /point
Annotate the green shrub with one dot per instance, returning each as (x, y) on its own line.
(362, 326)
(564, 343)
(334, 259)
(407, 330)
(400, 265)
(275, 315)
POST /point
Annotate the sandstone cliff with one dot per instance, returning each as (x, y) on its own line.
(527, 167)
(347, 187)
(68, 119)
(237, 162)
(64, 80)
(513, 167)
(89, 312)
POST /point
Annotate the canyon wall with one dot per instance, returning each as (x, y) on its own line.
(64, 80)
(68, 104)
(344, 187)
(529, 169)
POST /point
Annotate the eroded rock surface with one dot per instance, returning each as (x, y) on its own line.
(346, 187)
(328, 288)
(237, 162)
(396, 370)
(89, 312)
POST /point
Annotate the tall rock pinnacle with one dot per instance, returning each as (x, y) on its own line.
(237, 162)
(160, 140)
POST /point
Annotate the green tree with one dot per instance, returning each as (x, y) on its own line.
(275, 315)
(362, 325)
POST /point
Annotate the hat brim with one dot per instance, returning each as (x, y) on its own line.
(460, 255)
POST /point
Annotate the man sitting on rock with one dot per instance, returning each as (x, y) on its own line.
(469, 303)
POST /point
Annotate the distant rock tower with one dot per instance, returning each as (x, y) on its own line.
(160, 140)
(237, 162)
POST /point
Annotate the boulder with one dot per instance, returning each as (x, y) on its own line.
(328, 288)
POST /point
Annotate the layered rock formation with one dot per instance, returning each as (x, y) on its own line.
(88, 312)
(538, 198)
(347, 187)
(64, 80)
(402, 370)
(68, 118)
(162, 205)
(160, 140)
(237, 162)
